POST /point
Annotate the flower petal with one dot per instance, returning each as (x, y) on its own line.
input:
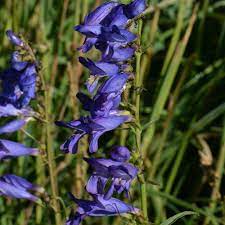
(120, 153)
(9, 149)
(12, 126)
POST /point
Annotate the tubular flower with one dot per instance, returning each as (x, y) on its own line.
(108, 23)
(16, 187)
(95, 128)
(115, 171)
(105, 28)
(99, 207)
(11, 149)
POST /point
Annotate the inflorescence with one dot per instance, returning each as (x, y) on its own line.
(105, 29)
(18, 84)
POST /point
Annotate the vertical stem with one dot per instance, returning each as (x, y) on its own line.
(85, 8)
(138, 84)
(51, 160)
(175, 38)
(49, 145)
(178, 161)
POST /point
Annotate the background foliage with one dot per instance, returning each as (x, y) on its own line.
(182, 107)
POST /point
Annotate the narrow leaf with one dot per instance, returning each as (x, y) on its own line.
(176, 217)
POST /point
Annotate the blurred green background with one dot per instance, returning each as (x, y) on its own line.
(182, 108)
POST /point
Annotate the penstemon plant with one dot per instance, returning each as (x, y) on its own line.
(106, 29)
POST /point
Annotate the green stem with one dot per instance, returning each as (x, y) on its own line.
(138, 84)
(51, 160)
(176, 36)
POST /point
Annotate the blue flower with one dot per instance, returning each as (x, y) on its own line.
(14, 39)
(107, 34)
(135, 8)
(18, 86)
(11, 149)
(100, 68)
(114, 53)
(107, 98)
(95, 128)
(16, 187)
(96, 17)
(18, 82)
(120, 14)
(111, 175)
(107, 23)
(120, 153)
(13, 126)
(99, 207)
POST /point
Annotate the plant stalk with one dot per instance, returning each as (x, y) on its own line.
(138, 84)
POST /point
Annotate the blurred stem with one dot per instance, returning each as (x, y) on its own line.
(138, 85)
(167, 83)
(176, 36)
(85, 8)
(58, 43)
(178, 160)
(15, 20)
(77, 15)
(219, 174)
(147, 58)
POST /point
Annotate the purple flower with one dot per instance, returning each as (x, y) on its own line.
(16, 187)
(96, 16)
(100, 68)
(19, 81)
(12, 126)
(11, 149)
(14, 39)
(107, 98)
(10, 110)
(135, 8)
(107, 34)
(95, 128)
(120, 14)
(120, 154)
(114, 53)
(16, 61)
(99, 207)
(107, 23)
(115, 174)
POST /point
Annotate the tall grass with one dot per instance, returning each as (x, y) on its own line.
(180, 93)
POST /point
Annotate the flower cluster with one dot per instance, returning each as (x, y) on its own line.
(17, 89)
(105, 29)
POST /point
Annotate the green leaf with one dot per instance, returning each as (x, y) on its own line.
(173, 219)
